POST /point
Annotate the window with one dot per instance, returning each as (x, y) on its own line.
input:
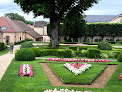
(20, 38)
(4, 28)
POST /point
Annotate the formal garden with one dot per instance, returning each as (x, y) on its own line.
(65, 69)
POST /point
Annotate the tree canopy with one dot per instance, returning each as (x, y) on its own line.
(16, 16)
(56, 10)
(74, 26)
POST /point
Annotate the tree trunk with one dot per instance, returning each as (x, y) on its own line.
(55, 34)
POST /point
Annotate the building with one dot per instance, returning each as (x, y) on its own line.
(104, 18)
(41, 28)
(14, 31)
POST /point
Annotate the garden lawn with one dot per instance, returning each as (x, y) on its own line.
(4, 51)
(11, 82)
(85, 78)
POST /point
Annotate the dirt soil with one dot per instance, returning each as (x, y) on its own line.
(99, 82)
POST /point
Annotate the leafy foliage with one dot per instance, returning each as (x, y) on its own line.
(25, 54)
(74, 26)
(26, 45)
(73, 48)
(119, 58)
(16, 16)
(2, 46)
(93, 53)
(36, 51)
(104, 46)
(65, 53)
(104, 29)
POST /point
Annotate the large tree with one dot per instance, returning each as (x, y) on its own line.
(55, 10)
(74, 25)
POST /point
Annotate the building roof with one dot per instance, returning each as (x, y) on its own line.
(9, 24)
(22, 25)
(99, 18)
(34, 34)
(40, 23)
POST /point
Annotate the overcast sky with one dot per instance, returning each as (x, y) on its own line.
(104, 7)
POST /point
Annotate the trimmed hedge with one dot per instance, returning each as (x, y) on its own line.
(25, 54)
(65, 53)
(104, 29)
(36, 51)
(48, 52)
(82, 48)
(73, 48)
(26, 45)
(78, 54)
(92, 53)
(119, 58)
(2, 45)
(104, 46)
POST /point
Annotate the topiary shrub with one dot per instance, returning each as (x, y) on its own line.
(93, 53)
(26, 45)
(36, 51)
(73, 48)
(2, 46)
(119, 58)
(104, 55)
(82, 48)
(16, 51)
(84, 53)
(65, 53)
(78, 54)
(104, 46)
(25, 55)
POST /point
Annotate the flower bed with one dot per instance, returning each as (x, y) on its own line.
(26, 70)
(63, 90)
(120, 78)
(79, 60)
(77, 69)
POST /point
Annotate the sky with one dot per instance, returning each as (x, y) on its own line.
(104, 7)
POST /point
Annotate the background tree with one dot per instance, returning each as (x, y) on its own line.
(16, 16)
(55, 10)
(74, 26)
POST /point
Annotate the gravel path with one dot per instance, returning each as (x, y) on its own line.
(5, 60)
(99, 82)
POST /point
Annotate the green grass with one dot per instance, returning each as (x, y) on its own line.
(69, 77)
(117, 44)
(11, 82)
(4, 51)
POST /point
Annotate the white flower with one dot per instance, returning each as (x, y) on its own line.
(77, 71)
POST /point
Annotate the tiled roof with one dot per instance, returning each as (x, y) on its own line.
(9, 24)
(40, 24)
(99, 18)
(34, 34)
(22, 25)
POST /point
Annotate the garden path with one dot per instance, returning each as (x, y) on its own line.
(99, 82)
(5, 60)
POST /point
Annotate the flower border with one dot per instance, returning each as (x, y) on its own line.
(63, 90)
(79, 60)
(26, 70)
(75, 70)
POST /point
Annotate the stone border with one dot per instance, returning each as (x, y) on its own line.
(99, 82)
